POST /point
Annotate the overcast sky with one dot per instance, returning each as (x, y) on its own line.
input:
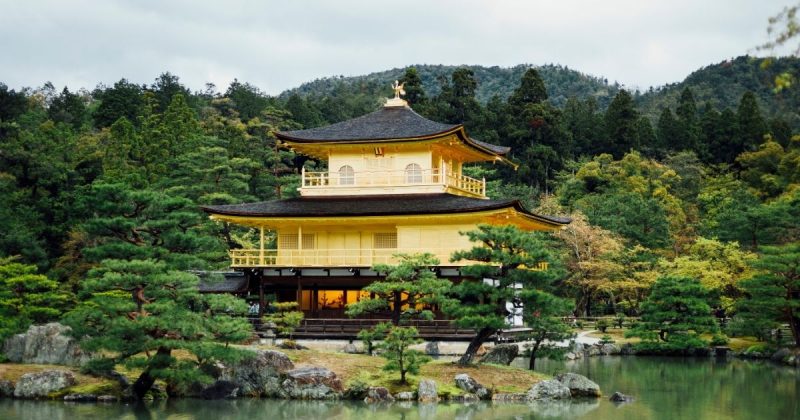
(277, 45)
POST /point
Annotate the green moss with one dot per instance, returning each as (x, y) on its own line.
(95, 388)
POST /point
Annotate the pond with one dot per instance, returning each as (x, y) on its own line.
(664, 388)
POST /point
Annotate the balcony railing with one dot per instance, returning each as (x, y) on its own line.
(393, 178)
(362, 257)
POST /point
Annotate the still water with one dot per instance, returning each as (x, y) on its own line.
(664, 388)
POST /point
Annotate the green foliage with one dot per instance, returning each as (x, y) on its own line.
(409, 289)
(544, 315)
(674, 316)
(395, 349)
(602, 324)
(504, 255)
(28, 298)
(286, 317)
(606, 339)
(370, 336)
(772, 293)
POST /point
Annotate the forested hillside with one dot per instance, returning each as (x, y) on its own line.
(699, 188)
(721, 85)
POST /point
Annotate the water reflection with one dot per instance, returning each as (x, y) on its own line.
(665, 388)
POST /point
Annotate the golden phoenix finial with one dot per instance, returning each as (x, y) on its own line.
(398, 89)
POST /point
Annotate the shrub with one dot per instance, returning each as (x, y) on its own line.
(602, 324)
(371, 335)
(395, 349)
(286, 317)
(619, 320)
(719, 340)
(606, 339)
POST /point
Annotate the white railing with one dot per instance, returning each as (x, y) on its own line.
(355, 257)
(393, 178)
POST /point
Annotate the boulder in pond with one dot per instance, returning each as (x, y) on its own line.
(378, 394)
(258, 375)
(48, 344)
(619, 397)
(312, 383)
(548, 390)
(503, 397)
(220, 390)
(404, 396)
(80, 398)
(579, 385)
(40, 384)
(427, 392)
(6, 389)
(501, 354)
(470, 385)
(609, 349)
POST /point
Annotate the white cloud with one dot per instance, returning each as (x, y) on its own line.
(278, 45)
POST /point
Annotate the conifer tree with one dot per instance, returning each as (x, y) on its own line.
(412, 84)
(505, 257)
(675, 315)
(773, 295)
(620, 123)
(409, 289)
(544, 314)
(687, 122)
(750, 124)
(395, 349)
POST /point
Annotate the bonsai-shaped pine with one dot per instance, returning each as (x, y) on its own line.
(27, 298)
(286, 317)
(395, 349)
(772, 295)
(675, 315)
(543, 314)
(619, 319)
(602, 324)
(405, 288)
(139, 303)
(369, 336)
(505, 257)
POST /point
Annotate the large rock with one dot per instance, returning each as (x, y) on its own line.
(579, 385)
(6, 388)
(404, 396)
(378, 394)
(432, 348)
(312, 383)
(517, 397)
(221, 390)
(610, 349)
(40, 384)
(548, 390)
(259, 375)
(427, 392)
(619, 397)
(780, 355)
(469, 384)
(48, 344)
(501, 354)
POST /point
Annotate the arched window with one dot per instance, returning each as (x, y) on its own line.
(346, 175)
(413, 173)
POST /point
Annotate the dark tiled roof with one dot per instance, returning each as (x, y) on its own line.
(387, 123)
(377, 205)
(383, 124)
(229, 282)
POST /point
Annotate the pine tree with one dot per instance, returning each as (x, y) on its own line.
(544, 315)
(531, 90)
(505, 257)
(675, 315)
(28, 298)
(412, 84)
(409, 289)
(687, 122)
(139, 302)
(773, 295)
(620, 123)
(750, 123)
(395, 349)
(668, 130)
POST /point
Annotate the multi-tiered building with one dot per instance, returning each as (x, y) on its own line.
(394, 184)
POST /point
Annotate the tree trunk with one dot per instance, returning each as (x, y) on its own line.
(794, 327)
(145, 380)
(534, 349)
(481, 337)
(396, 308)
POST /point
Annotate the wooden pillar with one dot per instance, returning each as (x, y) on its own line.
(261, 300)
(261, 246)
(299, 293)
(314, 298)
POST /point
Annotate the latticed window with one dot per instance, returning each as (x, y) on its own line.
(413, 173)
(289, 241)
(385, 240)
(347, 175)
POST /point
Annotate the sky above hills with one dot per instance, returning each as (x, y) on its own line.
(277, 45)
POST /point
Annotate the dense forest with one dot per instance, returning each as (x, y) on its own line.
(693, 179)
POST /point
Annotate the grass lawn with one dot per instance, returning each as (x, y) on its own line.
(352, 368)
